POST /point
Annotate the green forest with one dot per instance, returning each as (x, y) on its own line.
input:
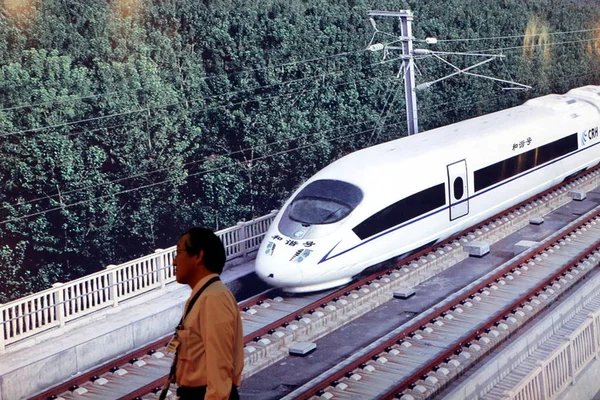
(124, 122)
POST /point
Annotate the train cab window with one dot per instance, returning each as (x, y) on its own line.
(401, 211)
(458, 188)
(324, 202)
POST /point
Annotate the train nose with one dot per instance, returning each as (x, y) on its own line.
(279, 275)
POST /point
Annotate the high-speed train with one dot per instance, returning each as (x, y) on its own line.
(392, 198)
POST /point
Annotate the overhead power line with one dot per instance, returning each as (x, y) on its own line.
(537, 45)
(68, 98)
(442, 106)
(517, 36)
(459, 105)
(62, 99)
(173, 179)
(187, 164)
(163, 106)
(312, 77)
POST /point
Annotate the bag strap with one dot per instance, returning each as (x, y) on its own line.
(193, 300)
(191, 303)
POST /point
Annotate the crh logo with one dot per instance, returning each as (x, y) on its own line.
(588, 134)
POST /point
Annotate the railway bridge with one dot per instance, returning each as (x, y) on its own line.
(52, 336)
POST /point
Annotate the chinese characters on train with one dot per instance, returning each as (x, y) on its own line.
(292, 243)
(522, 143)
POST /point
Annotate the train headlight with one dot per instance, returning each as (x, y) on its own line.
(301, 256)
(299, 234)
(270, 249)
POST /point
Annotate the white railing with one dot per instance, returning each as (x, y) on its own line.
(561, 368)
(65, 302)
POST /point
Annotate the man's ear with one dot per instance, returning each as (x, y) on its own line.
(199, 258)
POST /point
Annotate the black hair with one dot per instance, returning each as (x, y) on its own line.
(204, 239)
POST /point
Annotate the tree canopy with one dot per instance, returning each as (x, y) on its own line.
(124, 122)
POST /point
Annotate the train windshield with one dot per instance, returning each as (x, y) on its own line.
(324, 202)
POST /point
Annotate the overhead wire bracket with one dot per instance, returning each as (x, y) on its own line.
(437, 54)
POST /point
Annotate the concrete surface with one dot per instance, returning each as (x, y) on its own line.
(50, 358)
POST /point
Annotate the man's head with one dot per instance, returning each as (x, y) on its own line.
(199, 252)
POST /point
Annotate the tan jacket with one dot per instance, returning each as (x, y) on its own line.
(211, 349)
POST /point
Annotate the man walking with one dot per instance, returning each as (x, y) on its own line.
(209, 341)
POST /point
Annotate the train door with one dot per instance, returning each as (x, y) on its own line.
(458, 189)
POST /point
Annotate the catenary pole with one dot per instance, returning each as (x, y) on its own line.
(406, 17)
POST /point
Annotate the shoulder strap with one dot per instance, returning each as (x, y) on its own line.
(167, 383)
(193, 300)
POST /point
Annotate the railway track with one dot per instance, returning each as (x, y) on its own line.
(423, 356)
(273, 321)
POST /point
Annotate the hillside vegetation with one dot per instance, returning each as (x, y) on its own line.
(124, 122)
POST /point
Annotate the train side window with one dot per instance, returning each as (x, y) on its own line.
(458, 188)
(502, 170)
(402, 211)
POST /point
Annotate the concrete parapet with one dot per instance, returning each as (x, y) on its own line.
(66, 352)
(502, 363)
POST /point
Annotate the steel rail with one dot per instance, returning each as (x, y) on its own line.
(309, 309)
(421, 323)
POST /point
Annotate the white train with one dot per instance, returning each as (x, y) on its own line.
(389, 199)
